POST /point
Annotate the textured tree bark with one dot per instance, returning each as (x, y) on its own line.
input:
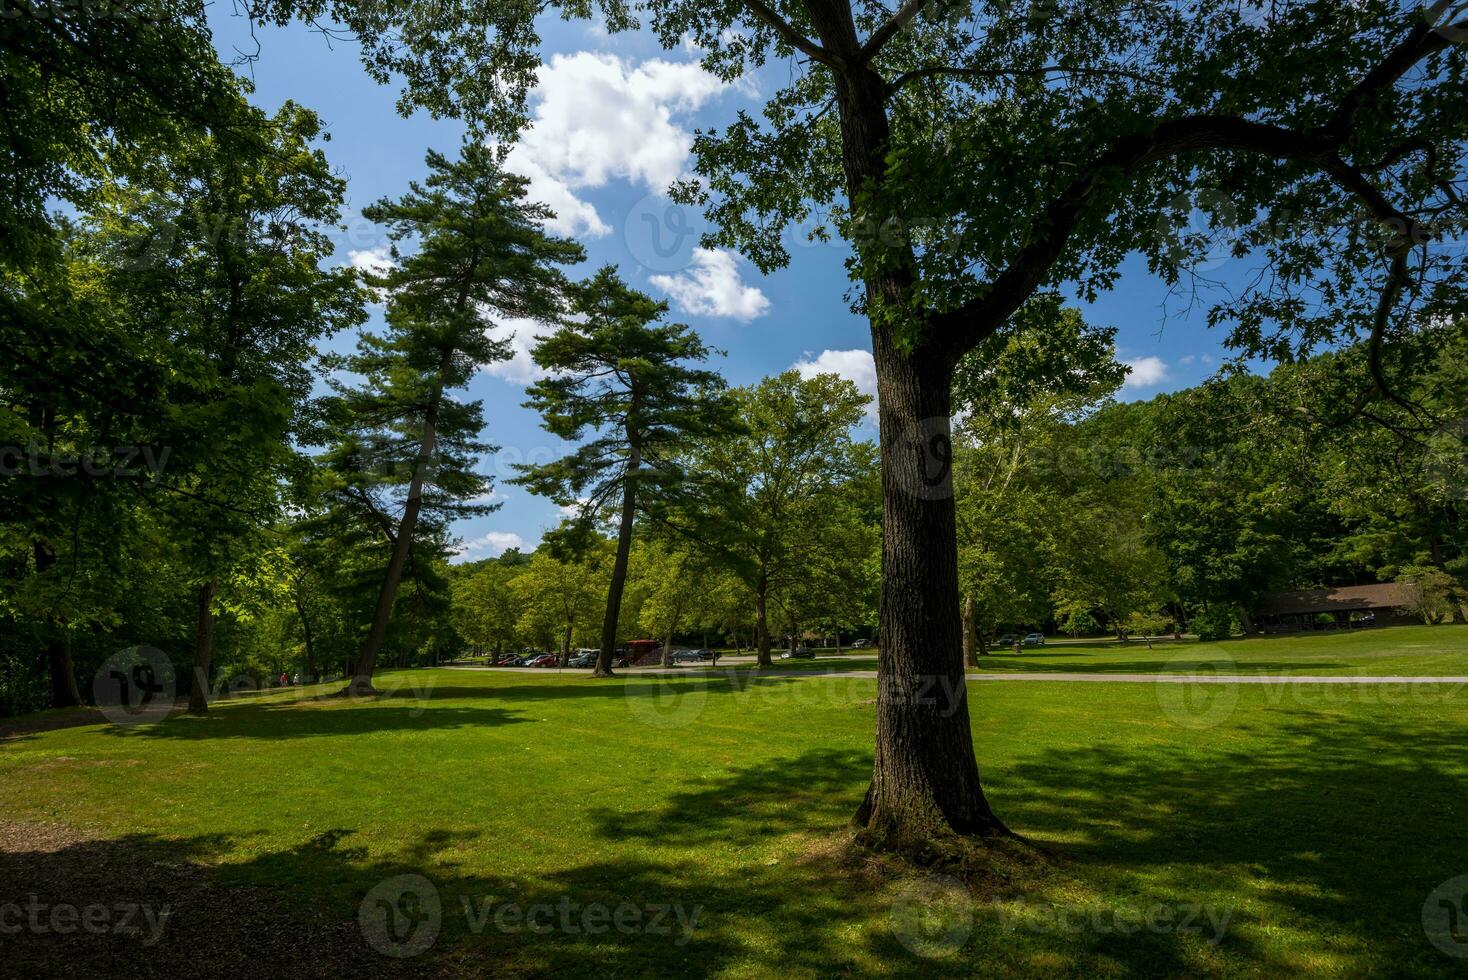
(307, 637)
(762, 622)
(970, 632)
(361, 682)
(64, 692)
(203, 650)
(619, 566)
(925, 777)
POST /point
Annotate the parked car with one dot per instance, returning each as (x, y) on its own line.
(686, 657)
(1035, 640)
(705, 654)
(544, 660)
(860, 644)
(1006, 640)
(799, 653)
(584, 660)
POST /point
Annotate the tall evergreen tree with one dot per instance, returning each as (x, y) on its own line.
(621, 373)
(482, 254)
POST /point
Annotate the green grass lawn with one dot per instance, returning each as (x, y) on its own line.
(1398, 650)
(1308, 825)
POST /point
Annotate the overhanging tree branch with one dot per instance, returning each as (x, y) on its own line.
(989, 73)
(885, 33)
(962, 329)
(787, 33)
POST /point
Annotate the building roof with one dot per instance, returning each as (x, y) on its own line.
(1346, 598)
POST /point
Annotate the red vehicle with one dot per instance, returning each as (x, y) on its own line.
(544, 660)
(641, 652)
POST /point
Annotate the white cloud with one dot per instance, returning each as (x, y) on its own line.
(521, 368)
(573, 509)
(377, 259)
(492, 544)
(855, 366)
(712, 287)
(574, 217)
(598, 117)
(1146, 372)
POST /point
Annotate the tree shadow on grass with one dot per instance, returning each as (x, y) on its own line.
(1199, 662)
(299, 912)
(324, 717)
(1330, 828)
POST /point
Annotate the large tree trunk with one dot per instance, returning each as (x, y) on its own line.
(970, 632)
(361, 682)
(64, 692)
(925, 779)
(203, 650)
(307, 638)
(762, 622)
(619, 566)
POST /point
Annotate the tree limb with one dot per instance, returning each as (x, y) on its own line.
(883, 34)
(938, 70)
(789, 34)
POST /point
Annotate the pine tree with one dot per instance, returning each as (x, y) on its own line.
(620, 372)
(482, 255)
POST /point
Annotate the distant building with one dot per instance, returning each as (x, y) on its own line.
(1383, 604)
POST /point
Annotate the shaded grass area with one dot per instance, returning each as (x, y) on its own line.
(1311, 824)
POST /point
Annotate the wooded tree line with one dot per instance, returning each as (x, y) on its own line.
(1081, 513)
(310, 529)
(975, 157)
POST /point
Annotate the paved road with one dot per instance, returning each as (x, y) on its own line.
(1198, 678)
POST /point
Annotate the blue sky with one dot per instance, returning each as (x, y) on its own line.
(614, 118)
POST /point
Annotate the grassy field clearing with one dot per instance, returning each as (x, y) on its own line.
(1395, 651)
(1232, 831)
